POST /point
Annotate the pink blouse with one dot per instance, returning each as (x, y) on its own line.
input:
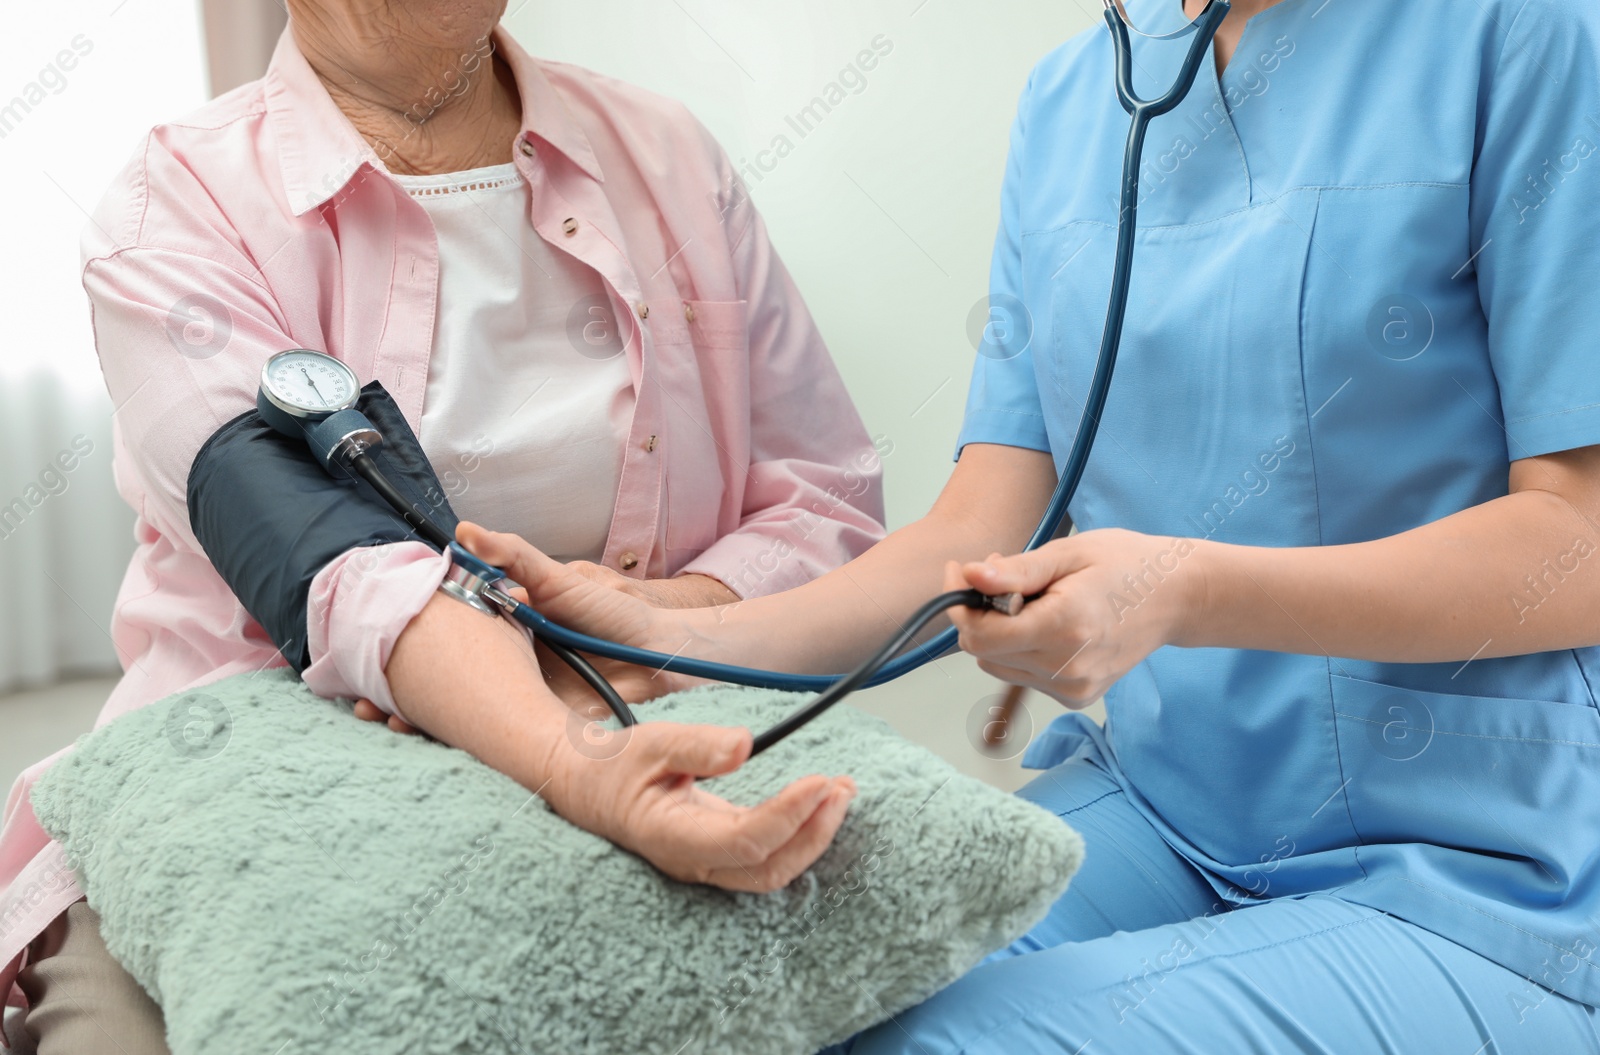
(264, 222)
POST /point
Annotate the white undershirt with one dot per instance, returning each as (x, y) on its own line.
(524, 423)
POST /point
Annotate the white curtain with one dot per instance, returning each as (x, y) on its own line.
(98, 79)
(240, 36)
(94, 76)
(65, 535)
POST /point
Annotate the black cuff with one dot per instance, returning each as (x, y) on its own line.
(270, 518)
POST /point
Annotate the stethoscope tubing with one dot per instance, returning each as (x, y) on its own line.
(1143, 111)
(901, 655)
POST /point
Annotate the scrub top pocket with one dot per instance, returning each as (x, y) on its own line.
(1505, 780)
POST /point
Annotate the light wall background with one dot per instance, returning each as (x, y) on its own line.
(886, 211)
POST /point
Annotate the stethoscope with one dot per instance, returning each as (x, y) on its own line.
(310, 395)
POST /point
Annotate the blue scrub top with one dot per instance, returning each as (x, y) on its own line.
(1368, 278)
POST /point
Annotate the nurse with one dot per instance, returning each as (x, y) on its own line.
(1338, 573)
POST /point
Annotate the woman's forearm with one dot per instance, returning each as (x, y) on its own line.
(833, 622)
(1516, 575)
(471, 680)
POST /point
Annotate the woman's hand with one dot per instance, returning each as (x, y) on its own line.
(1110, 598)
(639, 790)
(368, 711)
(638, 787)
(683, 591)
(471, 681)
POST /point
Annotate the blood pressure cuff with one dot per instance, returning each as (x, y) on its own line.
(270, 518)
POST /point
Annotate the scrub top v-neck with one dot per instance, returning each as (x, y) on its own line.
(1363, 285)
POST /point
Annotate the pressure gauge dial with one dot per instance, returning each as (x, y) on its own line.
(308, 385)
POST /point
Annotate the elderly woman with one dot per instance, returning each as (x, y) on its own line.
(560, 282)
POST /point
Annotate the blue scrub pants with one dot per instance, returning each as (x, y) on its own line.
(1141, 956)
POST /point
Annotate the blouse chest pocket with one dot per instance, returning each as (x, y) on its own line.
(703, 367)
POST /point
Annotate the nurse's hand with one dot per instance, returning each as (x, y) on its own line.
(634, 684)
(570, 597)
(1110, 598)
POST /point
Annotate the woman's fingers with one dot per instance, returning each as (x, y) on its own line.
(647, 799)
(807, 844)
(368, 711)
(708, 835)
(763, 848)
(763, 830)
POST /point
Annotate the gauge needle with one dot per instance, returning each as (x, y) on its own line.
(314, 387)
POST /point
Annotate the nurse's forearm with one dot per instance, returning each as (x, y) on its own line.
(1516, 575)
(832, 623)
(992, 502)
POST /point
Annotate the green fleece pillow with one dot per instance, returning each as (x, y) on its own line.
(283, 877)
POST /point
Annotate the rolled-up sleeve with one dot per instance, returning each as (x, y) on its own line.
(359, 606)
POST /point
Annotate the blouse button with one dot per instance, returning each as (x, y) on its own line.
(688, 312)
(526, 146)
(628, 561)
(650, 444)
(569, 226)
(644, 311)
